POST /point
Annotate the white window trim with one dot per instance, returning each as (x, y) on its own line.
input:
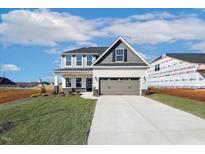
(116, 54)
(66, 61)
(87, 61)
(76, 61)
(70, 82)
(81, 82)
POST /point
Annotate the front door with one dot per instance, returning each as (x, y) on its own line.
(89, 84)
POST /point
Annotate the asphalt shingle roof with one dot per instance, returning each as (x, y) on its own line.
(98, 50)
(190, 57)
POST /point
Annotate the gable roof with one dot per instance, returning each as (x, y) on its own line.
(115, 43)
(189, 57)
(97, 50)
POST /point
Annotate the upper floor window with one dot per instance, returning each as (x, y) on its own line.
(89, 60)
(157, 67)
(119, 55)
(68, 60)
(78, 60)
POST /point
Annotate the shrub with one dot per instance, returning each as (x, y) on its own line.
(44, 94)
(54, 93)
(95, 92)
(62, 93)
(70, 92)
(78, 93)
(36, 95)
(149, 92)
(43, 90)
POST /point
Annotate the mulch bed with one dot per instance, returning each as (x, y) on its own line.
(194, 94)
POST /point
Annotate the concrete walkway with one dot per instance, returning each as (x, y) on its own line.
(139, 120)
(88, 95)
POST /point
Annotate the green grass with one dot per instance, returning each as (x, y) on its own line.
(47, 120)
(195, 107)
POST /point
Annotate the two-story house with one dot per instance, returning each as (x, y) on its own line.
(117, 69)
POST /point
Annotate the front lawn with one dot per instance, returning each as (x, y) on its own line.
(46, 120)
(195, 107)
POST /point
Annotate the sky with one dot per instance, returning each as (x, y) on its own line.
(32, 39)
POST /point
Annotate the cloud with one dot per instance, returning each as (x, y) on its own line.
(198, 46)
(159, 30)
(49, 28)
(47, 78)
(9, 68)
(43, 27)
(147, 57)
(54, 51)
(57, 62)
(50, 79)
(59, 50)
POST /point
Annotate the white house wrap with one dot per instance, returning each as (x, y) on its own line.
(178, 70)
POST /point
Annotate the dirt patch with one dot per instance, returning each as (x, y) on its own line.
(6, 126)
(194, 94)
(7, 95)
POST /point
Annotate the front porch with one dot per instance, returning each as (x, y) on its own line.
(74, 80)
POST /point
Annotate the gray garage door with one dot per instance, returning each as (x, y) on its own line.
(119, 86)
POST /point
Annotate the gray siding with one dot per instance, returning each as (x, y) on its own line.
(131, 56)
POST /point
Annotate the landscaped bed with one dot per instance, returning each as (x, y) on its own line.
(46, 120)
(192, 106)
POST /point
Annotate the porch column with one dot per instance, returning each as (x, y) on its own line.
(56, 80)
(56, 87)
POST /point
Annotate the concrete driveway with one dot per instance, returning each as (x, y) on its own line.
(139, 120)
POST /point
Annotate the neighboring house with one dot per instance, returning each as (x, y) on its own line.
(117, 69)
(178, 70)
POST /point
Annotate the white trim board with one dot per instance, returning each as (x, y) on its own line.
(120, 67)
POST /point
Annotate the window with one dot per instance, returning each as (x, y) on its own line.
(68, 82)
(89, 60)
(157, 67)
(119, 55)
(78, 82)
(68, 60)
(78, 60)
